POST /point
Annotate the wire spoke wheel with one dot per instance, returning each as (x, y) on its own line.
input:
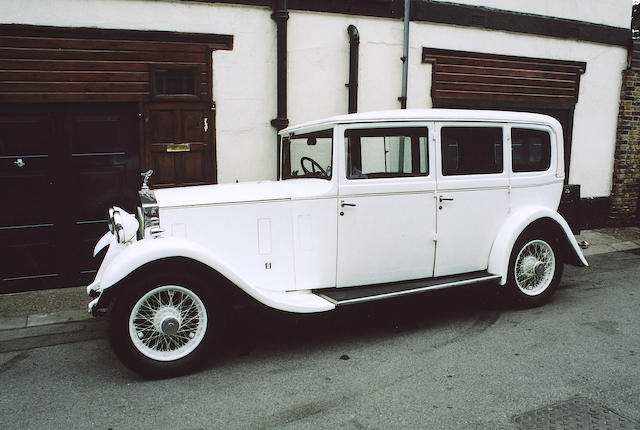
(167, 323)
(534, 267)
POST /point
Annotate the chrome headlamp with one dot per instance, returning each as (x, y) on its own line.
(122, 225)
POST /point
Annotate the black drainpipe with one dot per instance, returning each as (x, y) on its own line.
(280, 15)
(405, 55)
(354, 47)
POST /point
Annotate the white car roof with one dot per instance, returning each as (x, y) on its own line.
(424, 115)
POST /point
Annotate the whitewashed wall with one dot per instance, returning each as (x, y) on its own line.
(616, 13)
(318, 56)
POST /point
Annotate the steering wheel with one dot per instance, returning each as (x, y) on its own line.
(314, 166)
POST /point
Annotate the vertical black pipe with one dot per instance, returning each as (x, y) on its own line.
(354, 48)
(280, 15)
(405, 54)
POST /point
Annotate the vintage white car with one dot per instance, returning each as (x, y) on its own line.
(366, 207)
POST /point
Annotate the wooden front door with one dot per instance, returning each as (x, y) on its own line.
(178, 143)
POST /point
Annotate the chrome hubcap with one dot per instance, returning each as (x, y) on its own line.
(531, 266)
(167, 320)
(170, 326)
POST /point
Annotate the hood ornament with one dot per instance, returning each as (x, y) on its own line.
(146, 175)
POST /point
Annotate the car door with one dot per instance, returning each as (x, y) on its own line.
(386, 204)
(472, 194)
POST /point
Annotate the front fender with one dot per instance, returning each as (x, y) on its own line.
(145, 251)
(514, 225)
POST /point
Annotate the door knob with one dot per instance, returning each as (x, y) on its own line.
(19, 162)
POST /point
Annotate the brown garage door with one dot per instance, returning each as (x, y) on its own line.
(61, 166)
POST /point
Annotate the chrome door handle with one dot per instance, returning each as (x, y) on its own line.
(445, 199)
(343, 204)
(19, 162)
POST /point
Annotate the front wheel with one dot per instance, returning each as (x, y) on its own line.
(535, 269)
(164, 326)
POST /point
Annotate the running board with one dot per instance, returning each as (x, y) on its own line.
(367, 293)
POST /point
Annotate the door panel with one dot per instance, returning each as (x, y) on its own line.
(27, 233)
(76, 160)
(104, 172)
(385, 238)
(386, 221)
(179, 143)
(471, 207)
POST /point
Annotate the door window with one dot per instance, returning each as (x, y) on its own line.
(471, 150)
(386, 152)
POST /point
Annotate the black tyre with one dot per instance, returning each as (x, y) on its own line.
(535, 269)
(165, 324)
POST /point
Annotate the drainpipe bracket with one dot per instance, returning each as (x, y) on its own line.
(280, 123)
(280, 15)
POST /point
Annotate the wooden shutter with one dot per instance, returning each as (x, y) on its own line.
(468, 76)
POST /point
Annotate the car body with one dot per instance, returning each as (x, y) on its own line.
(367, 206)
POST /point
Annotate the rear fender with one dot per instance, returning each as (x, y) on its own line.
(513, 227)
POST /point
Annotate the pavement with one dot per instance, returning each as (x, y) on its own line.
(69, 305)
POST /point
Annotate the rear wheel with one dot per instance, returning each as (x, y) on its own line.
(535, 269)
(165, 325)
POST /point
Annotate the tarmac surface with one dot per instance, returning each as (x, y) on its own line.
(67, 305)
(457, 358)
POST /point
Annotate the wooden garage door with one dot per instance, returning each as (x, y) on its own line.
(61, 167)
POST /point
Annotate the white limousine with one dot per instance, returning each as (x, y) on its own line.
(366, 207)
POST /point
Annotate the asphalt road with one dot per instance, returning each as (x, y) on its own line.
(451, 359)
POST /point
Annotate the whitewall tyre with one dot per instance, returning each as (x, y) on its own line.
(165, 326)
(535, 269)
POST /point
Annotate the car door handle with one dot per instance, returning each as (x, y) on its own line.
(445, 199)
(343, 204)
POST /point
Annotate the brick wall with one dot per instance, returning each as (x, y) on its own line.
(626, 171)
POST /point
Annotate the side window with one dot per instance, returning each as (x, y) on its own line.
(530, 150)
(471, 150)
(386, 152)
(307, 155)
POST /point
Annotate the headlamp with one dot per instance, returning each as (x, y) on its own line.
(122, 225)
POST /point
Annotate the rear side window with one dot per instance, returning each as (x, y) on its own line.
(471, 150)
(530, 150)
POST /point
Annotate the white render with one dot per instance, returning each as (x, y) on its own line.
(244, 85)
(616, 13)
